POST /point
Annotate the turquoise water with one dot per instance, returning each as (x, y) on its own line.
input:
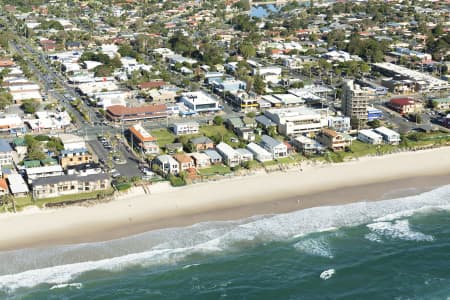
(394, 249)
(262, 11)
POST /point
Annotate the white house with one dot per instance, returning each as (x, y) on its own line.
(230, 156)
(185, 128)
(370, 137)
(167, 164)
(245, 155)
(306, 145)
(389, 136)
(275, 147)
(259, 153)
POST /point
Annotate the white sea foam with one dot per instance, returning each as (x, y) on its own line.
(398, 229)
(190, 266)
(315, 246)
(60, 265)
(327, 274)
(76, 285)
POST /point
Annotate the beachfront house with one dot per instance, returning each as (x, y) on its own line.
(370, 137)
(333, 140)
(17, 185)
(74, 157)
(6, 154)
(389, 135)
(214, 156)
(276, 148)
(57, 186)
(307, 145)
(167, 164)
(259, 153)
(185, 161)
(244, 155)
(201, 160)
(202, 143)
(230, 156)
(43, 172)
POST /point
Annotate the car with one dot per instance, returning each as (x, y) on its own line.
(115, 174)
(102, 161)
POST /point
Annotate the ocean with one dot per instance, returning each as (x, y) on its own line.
(392, 249)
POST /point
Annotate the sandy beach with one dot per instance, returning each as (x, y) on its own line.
(367, 179)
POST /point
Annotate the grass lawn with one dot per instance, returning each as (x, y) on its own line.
(75, 197)
(359, 149)
(253, 164)
(214, 170)
(270, 163)
(164, 136)
(21, 202)
(216, 132)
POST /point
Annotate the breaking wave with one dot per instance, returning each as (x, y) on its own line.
(56, 266)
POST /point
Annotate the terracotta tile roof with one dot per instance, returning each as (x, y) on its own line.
(142, 134)
(3, 184)
(6, 63)
(402, 101)
(119, 110)
(151, 84)
(330, 132)
(182, 158)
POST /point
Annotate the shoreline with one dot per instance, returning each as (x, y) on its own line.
(367, 179)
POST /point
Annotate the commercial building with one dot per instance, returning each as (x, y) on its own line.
(422, 81)
(199, 102)
(119, 113)
(374, 114)
(370, 137)
(142, 140)
(389, 135)
(405, 106)
(297, 120)
(355, 101)
(12, 123)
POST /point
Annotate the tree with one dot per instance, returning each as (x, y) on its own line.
(218, 120)
(243, 5)
(34, 148)
(29, 106)
(259, 86)
(5, 99)
(374, 123)
(247, 50)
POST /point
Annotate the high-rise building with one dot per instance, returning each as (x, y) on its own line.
(355, 101)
